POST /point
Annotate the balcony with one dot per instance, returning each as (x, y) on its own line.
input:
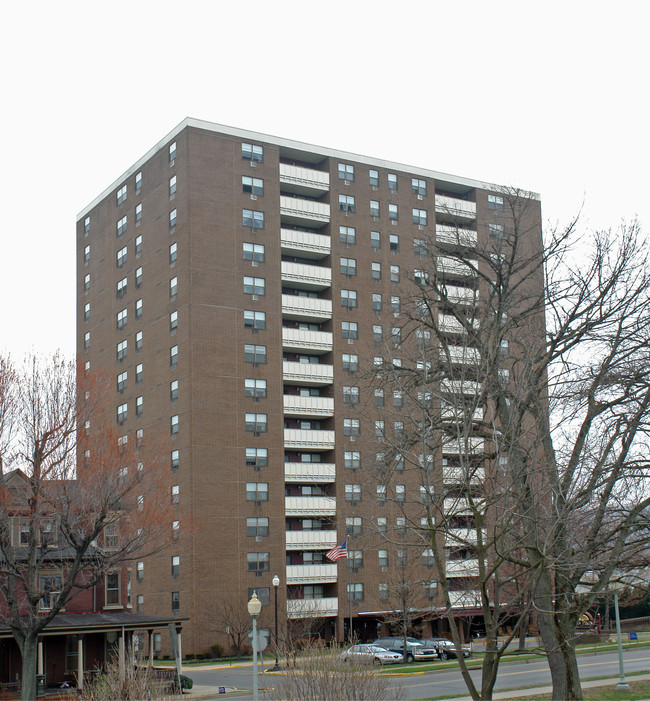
(306, 308)
(454, 236)
(306, 277)
(459, 414)
(309, 574)
(297, 340)
(459, 355)
(307, 373)
(456, 506)
(461, 295)
(312, 608)
(465, 599)
(461, 475)
(472, 445)
(297, 211)
(310, 540)
(455, 209)
(301, 439)
(456, 267)
(304, 181)
(324, 472)
(450, 324)
(304, 244)
(309, 506)
(308, 406)
(461, 568)
(462, 536)
(455, 387)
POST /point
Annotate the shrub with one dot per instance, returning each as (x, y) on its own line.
(190, 657)
(216, 650)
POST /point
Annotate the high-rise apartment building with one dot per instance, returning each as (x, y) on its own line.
(242, 288)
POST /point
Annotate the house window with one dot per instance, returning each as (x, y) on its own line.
(176, 601)
(351, 427)
(139, 607)
(353, 492)
(121, 226)
(138, 213)
(349, 329)
(392, 212)
(173, 390)
(256, 422)
(122, 413)
(353, 525)
(258, 562)
(346, 172)
(254, 320)
(355, 592)
(254, 388)
(173, 252)
(138, 373)
(376, 302)
(350, 362)
(348, 266)
(50, 585)
(138, 341)
(172, 186)
(350, 395)
(418, 187)
(138, 308)
(375, 271)
(430, 589)
(172, 220)
(347, 234)
(394, 273)
(374, 208)
(420, 216)
(393, 241)
(495, 202)
(122, 379)
(346, 203)
(87, 254)
(139, 405)
(121, 318)
(138, 277)
(113, 592)
(257, 457)
(254, 285)
(173, 425)
(253, 186)
(373, 178)
(121, 349)
(138, 245)
(121, 195)
(349, 298)
(254, 354)
(121, 287)
(257, 526)
(375, 239)
(172, 152)
(175, 457)
(138, 182)
(253, 218)
(251, 152)
(392, 181)
(382, 589)
(253, 251)
(176, 565)
(352, 459)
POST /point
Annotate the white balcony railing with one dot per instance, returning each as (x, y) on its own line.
(450, 324)
(312, 608)
(306, 574)
(456, 267)
(307, 277)
(461, 295)
(465, 599)
(309, 472)
(308, 406)
(306, 244)
(462, 536)
(454, 236)
(309, 506)
(456, 387)
(461, 568)
(310, 540)
(306, 308)
(461, 475)
(298, 438)
(461, 355)
(301, 339)
(304, 178)
(472, 445)
(307, 373)
(299, 210)
(455, 208)
(459, 414)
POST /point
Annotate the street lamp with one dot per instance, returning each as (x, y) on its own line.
(622, 684)
(254, 608)
(276, 584)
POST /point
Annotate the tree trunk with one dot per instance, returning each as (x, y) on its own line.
(29, 652)
(523, 629)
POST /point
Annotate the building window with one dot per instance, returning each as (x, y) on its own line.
(138, 245)
(392, 212)
(173, 425)
(258, 562)
(428, 558)
(353, 493)
(355, 592)
(349, 329)
(420, 248)
(373, 178)
(254, 186)
(393, 240)
(176, 565)
(420, 216)
(352, 459)
(51, 588)
(172, 220)
(398, 430)
(86, 225)
(374, 208)
(254, 354)
(256, 423)
(394, 273)
(346, 203)
(112, 581)
(139, 405)
(139, 605)
(138, 182)
(173, 390)
(122, 317)
(173, 288)
(379, 396)
(418, 187)
(138, 373)
(353, 525)
(392, 181)
(350, 362)
(86, 311)
(173, 321)
(138, 341)
(396, 336)
(138, 308)
(496, 231)
(254, 320)
(376, 302)
(254, 388)
(381, 494)
(176, 529)
(349, 298)
(253, 251)
(121, 349)
(87, 341)
(382, 524)
(122, 380)
(347, 234)
(138, 213)
(175, 493)
(87, 283)
(122, 413)
(254, 286)
(348, 266)
(355, 559)
(257, 457)
(253, 219)
(380, 429)
(375, 240)
(176, 601)
(173, 252)
(350, 427)
(121, 226)
(121, 195)
(495, 202)
(375, 271)
(346, 172)
(257, 526)
(383, 556)
(172, 152)
(251, 152)
(87, 254)
(138, 277)
(400, 493)
(175, 457)
(350, 395)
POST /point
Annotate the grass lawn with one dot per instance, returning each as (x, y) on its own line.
(638, 690)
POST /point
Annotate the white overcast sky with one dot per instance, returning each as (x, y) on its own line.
(550, 96)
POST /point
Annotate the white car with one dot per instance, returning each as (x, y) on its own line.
(370, 654)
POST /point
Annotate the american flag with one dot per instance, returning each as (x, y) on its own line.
(338, 552)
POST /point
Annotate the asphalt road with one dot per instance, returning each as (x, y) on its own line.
(512, 675)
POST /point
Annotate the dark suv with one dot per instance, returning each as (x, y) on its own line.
(415, 649)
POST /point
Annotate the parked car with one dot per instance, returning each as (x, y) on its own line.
(415, 650)
(371, 654)
(446, 649)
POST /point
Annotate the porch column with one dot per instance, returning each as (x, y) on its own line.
(39, 663)
(150, 661)
(121, 654)
(80, 662)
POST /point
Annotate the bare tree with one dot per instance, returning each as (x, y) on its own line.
(76, 499)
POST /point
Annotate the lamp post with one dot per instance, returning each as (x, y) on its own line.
(254, 608)
(622, 684)
(276, 584)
